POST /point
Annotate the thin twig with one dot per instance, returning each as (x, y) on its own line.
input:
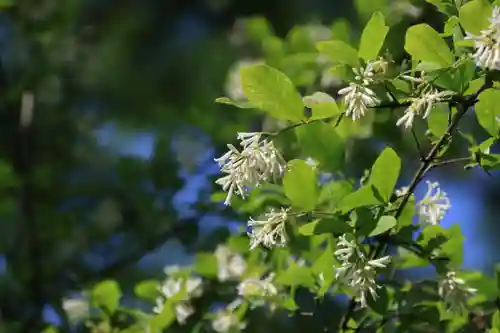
(450, 161)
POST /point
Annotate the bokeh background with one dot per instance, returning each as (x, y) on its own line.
(115, 176)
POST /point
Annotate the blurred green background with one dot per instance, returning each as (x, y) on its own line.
(114, 174)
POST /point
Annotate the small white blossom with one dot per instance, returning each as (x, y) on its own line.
(75, 308)
(357, 271)
(434, 205)
(252, 287)
(401, 191)
(421, 105)
(233, 87)
(487, 44)
(259, 161)
(226, 321)
(454, 292)
(357, 96)
(230, 265)
(270, 231)
(172, 286)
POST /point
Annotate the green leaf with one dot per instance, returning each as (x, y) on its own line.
(334, 191)
(339, 52)
(438, 119)
(301, 185)
(383, 224)
(424, 43)
(322, 105)
(325, 226)
(373, 37)
(205, 264)
(495, 321)
(365, 8)
(272, 91)
(164, 319)
(474, 16)
(296, 276)
(487, 111)
(364, 196)
(107, 294)
(321, 142)
(323, 265)
(385, 173)
(238, 104)
(406, 217)
(341, 29)
(147, 289)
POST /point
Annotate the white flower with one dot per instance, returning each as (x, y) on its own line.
(434, 205)
(270, 231)
(454, 292)
(258, 162)
(487, 44)
(358, 98)
(252, 287)
(76, 308)
(357, 271)
(422, 104)
(230, 265)
(172, 286)
(233, 87)
(226, 321)
(401, 191)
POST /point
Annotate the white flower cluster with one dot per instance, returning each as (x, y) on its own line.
(229, 265)
(172, 286)
(357, 271)
(433, 207)
(270, 231)
(226, 321)
(258, 162)
(422, 104)
(357, 96)
(487, 44)
(455, 292)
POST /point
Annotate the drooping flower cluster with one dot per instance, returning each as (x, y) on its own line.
(454, 292)
(358, 271)
(422, 105)
(189, 287)
(229, 265)
(357, 96)
(433, 207)
(270, 231)
(258, 162)
(487, 44)
(253, 287)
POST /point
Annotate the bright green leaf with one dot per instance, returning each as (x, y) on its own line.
(339, 52)
(147, 289)
(438, 119)
(332, 192)
(205, 264)
(301, 185)
(272, 91)
(107, 294)
(385, 173)
(424, 43)
(322, 105)
(321, 142)
(487, 111)
(474, 16)
(341, 29)
(364, 196)
(295, 276)
(373, 37)
(384, 224)
(238, 104)
(165, 318)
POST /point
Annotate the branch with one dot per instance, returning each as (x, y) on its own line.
(463, 104)
(450, 161)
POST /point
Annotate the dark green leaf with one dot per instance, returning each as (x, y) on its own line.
(364, 196)
(335, 226)
(384, 224)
